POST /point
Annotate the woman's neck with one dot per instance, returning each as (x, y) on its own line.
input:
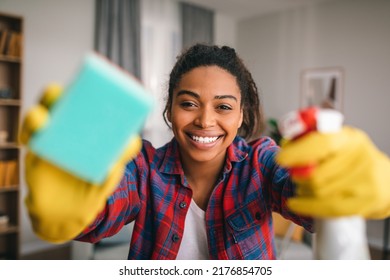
(202, 177)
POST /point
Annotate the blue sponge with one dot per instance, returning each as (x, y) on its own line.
(94, 121)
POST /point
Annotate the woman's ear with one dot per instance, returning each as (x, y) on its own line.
(241, 118)
(169, 116)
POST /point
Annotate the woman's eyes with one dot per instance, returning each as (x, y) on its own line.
(220, 107)
(224, 107)
(187, 104)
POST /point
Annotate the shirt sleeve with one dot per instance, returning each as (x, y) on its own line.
(122, 206)
(279, 185)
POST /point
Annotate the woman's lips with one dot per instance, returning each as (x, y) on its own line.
(204, 140)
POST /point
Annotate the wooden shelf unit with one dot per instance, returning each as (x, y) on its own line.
(11, 62)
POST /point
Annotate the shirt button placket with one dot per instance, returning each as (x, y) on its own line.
(175, 238)
(183, 204)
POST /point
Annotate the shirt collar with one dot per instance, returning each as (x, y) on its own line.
(171, 164)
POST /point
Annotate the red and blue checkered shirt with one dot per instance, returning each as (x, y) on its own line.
(154, 192)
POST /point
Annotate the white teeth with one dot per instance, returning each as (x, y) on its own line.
(204, 139)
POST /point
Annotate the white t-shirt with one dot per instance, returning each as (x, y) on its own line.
(194, 242)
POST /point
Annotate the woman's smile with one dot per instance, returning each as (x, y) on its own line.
(204, 142)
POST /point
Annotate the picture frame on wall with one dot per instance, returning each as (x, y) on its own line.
(323, 87)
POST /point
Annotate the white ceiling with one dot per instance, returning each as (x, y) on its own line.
(241, 9)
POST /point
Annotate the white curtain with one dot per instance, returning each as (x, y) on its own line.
(160, 44)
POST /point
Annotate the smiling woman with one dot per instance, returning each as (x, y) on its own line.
(207, 194)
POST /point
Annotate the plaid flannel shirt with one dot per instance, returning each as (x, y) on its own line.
(154, 193)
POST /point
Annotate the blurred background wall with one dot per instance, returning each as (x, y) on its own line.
(277, 45)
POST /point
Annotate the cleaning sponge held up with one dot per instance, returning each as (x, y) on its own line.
(93, 121)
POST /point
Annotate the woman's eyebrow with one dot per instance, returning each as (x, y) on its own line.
(195, 95)
(184, 92)
(225, 96)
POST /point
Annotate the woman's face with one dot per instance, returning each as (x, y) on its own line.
(205, 113)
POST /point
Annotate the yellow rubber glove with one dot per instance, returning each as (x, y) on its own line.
(351, 176)
(59, 204)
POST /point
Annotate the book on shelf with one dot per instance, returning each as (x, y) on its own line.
(14, 45)
(11, 173)
(8, 173)
(3, 39)
(10, 43)
(2, 173)
(6, 42)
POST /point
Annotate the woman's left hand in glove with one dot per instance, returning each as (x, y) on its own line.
(350, 175)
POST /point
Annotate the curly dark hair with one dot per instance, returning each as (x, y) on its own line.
(226, 58)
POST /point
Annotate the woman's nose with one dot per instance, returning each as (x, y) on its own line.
(206, 118)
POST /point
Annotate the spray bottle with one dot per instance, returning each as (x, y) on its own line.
(342, 238)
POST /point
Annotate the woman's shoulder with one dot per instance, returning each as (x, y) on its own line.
(261, 143)
(148, 157)
(261, 149)
(264, 141)
(149, 154)
(150, 149)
